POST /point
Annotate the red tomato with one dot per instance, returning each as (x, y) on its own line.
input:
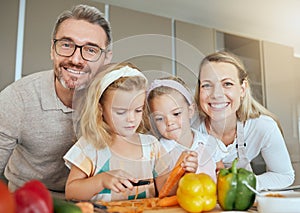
(7, 203)
(33, 197)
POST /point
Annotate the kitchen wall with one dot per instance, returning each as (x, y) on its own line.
(8, 26)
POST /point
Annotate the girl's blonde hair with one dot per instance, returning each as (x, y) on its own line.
(249, 107)
(93, 128)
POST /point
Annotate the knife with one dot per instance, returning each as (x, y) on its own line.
(140, 182)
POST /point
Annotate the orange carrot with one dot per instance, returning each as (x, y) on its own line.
(168, 201)
(176, 173)
(86, 207)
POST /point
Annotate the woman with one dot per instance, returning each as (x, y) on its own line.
(243, 126)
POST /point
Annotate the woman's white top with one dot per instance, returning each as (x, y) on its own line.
(260, 135)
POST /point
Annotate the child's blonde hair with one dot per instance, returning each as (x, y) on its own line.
(93, 128)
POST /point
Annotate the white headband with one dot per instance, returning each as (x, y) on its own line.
(172, 84)
(116, 74)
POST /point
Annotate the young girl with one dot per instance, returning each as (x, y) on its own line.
(172, 107)
(111, 155)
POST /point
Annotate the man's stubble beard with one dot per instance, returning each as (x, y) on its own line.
(59, 76)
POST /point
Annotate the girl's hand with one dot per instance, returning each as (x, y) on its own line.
(117, 180)
(219, 165)
(190, 163)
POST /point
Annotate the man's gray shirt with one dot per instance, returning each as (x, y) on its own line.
(36, 130)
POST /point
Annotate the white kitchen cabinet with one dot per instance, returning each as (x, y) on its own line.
(282, 91)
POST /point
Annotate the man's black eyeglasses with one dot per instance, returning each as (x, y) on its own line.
(67, 48)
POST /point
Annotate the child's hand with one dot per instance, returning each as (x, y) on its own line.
(117, 180)
(219, 165)
(190, 163)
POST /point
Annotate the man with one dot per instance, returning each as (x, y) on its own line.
(36, 127)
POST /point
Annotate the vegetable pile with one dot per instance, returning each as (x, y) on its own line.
(195, 193)
(33, 197)
(198, 192)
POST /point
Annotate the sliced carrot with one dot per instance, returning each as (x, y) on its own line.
(168, 201)
(85, 207)
(175, 175)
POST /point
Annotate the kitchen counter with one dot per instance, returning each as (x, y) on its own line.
(178, 209)
(148, 205)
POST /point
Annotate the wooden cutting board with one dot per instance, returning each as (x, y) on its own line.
(174, 209)
(177, 209)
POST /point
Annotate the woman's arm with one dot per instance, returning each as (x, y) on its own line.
(280, 172)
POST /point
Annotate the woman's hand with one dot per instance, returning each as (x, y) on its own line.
(117, 180)
(190, 163)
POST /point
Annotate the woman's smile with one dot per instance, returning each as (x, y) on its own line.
(219, 106)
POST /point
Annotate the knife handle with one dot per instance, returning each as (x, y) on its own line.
(141, 182)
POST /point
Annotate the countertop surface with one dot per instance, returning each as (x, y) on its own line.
(149, 205)
(178, 209)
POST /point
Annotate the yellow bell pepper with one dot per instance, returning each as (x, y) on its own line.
(197, 192)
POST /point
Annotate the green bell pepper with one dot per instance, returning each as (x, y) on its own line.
(232, 193)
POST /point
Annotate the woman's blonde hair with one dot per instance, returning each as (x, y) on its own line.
(249, 107)
(93, 128)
